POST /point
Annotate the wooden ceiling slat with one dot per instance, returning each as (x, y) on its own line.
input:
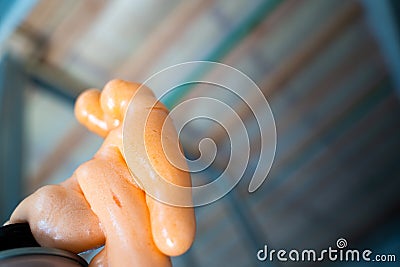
(137, 65)
(294, 63)
(354, 139)
(47, 15)
(72, 28)
(253, 38)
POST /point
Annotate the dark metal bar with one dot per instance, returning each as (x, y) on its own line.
(12, 84)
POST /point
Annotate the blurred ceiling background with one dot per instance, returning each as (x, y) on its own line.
(330, 71)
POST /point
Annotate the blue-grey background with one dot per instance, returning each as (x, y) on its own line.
(329, 69)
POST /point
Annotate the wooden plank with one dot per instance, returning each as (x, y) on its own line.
(138, 64)
(294, 63)
(76, 24)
